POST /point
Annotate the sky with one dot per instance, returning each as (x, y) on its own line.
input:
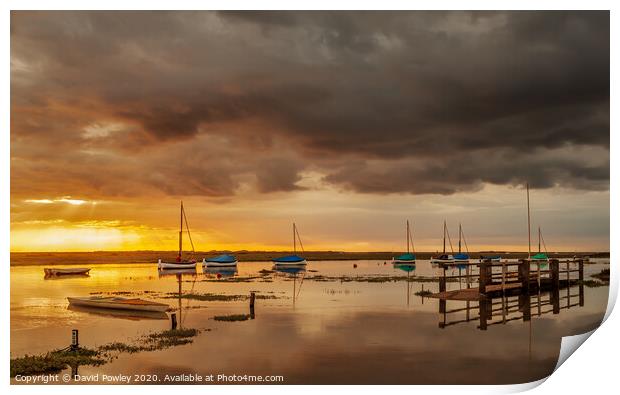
(348, 123)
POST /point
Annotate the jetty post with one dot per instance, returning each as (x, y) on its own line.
(75, 339)
(173, 321)
(484, 277)
(483, 313)
(524, 275)
(555, 285)
(442, 279)
(252, 298)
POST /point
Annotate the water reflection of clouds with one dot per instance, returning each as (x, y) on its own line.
(363, 334)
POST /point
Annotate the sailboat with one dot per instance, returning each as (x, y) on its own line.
(541, 256)
(292, 260)
(460, 257)
(180, 263)
(408, 258)
(444, 258)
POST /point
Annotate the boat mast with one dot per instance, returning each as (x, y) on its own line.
(460, 232)
(529, 229)
(539, 239)
(444, 236)
(294, 239)
(181, 232)
(407, 236)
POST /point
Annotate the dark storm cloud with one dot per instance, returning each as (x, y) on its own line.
(419, 102)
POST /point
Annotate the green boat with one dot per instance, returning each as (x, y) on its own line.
(407, 258)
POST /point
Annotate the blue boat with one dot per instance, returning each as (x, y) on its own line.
(223, 260)
(291, 260)
(461, 257)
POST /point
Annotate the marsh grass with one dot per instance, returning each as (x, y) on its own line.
(54, 361)
(603, 275)
(210, 297)
(58, 360)
(374, 279)
(594, 283)
(232, 317)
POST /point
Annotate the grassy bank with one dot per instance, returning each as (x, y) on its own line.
(120, 257)
(59, 360)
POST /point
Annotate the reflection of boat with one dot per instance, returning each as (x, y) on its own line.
(405, 267)
(180, 263)
(174, 272)
(460, 257)
(444, 258)
(293, 271)
(65, 271)
(292, 260)
(221, 271)
(65, 276)
(223, 260)
(289, 269)
(115, 302)
(116, 313)
(407, 258)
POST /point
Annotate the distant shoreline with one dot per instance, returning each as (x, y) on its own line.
(121, 257)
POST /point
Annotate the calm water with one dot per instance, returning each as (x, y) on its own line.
(313, 329)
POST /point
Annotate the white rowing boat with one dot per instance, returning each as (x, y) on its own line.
(176, 265)
(61, 271)
(443, 259)
(179, 262)
(118, 303)
(134, 315)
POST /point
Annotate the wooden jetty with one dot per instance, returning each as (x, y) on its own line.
(515, 283)
(500, 277)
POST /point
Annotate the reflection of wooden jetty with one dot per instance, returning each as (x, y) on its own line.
(516, 288)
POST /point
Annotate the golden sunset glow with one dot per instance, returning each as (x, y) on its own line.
(351, 131)
(354, 223)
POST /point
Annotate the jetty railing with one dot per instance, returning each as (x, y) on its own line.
(501, 276)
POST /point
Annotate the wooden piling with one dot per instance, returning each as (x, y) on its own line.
(252, 298)
(484, 276)
(173, 320)
(442, 280)
(555, 273)
(75, 339)
(526, 308)
(483, 314)
(524, 275)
